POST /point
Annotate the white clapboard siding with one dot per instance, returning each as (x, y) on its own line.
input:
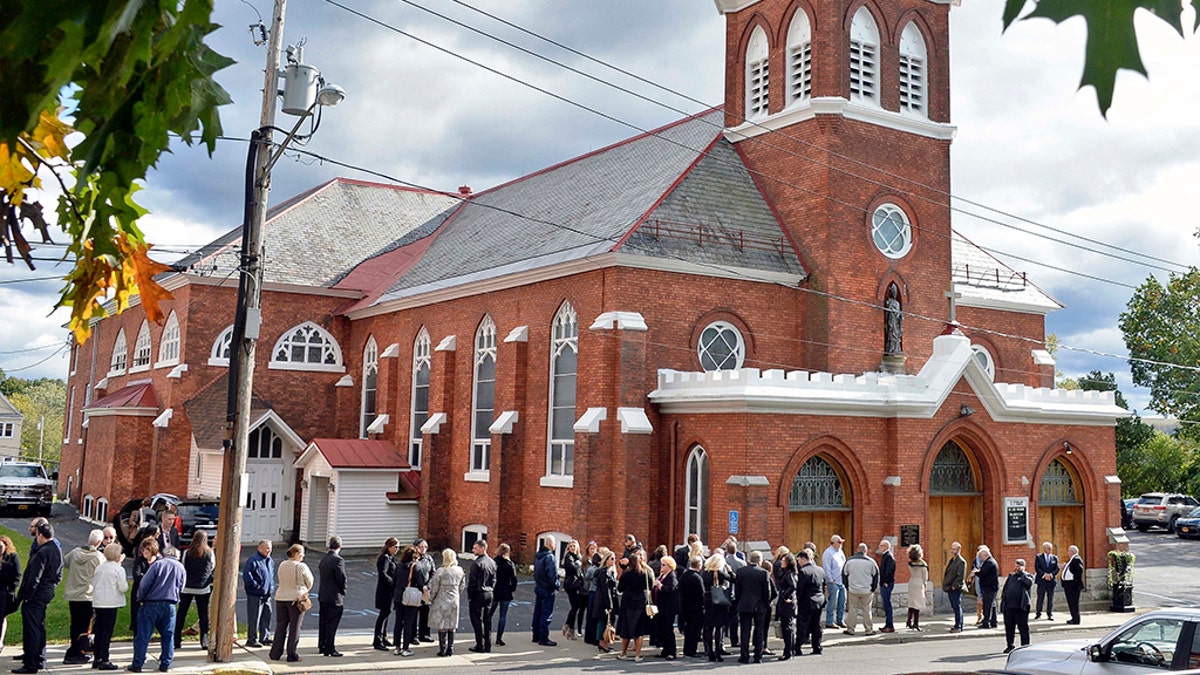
(210, 470)
(316, 466)
(363, 518)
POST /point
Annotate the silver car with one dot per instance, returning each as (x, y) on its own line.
(1166, 639)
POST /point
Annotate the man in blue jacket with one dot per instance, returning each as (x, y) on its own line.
(545, 583)
(258, 576)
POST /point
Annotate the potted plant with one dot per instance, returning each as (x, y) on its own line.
(1120, 580)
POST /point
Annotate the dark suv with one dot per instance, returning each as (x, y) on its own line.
(1161, 509)
(194, 515)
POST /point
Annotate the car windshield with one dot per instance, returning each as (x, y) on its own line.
(1195, 514)
(1150, 500)
(21, 471)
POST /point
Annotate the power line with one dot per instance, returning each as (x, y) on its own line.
(768, 131)
(61, 348)
(31, 349)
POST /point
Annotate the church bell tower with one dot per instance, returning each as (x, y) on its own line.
(842, 109)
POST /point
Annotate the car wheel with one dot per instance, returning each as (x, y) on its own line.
(1142, 527)
(1171, 525)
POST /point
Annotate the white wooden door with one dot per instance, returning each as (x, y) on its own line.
(263, 513)
(318, 511)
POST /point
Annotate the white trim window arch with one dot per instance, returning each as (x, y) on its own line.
(89, 505)
(221, 348)
(914, 72)
(370, 379)
(758, 74)
(120, 352)
(168, 345)
(422, 363)
(483, 400)
(864, 57)
(695, 502)
(561, 539)
(102, 510)
(721, 347)
(307, 347)
(984, 356)
(471, 534)
(564, 365)
(142, 348)
(799, 58)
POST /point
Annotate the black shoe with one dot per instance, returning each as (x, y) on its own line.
(1049, 618)
(108, 666)
(380, 647)
(743, 659)
(1008, 649)
(1037, 616)
(266, 641)
(24, 669)
(294, 659)
(76, 660)
(334, 654)
(254, 645)
(817, 652)
(499, 642)
(163, 669)
(132, 669)
(548, 643)
(477, 649)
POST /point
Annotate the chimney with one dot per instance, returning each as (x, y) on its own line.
(464, 190)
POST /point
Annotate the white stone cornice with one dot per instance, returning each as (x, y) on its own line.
(834, 105)
(631, 321)
(504, 422)
(589, 421)
(433, 425)
(518, 334)
(448, 344)
(876, 394)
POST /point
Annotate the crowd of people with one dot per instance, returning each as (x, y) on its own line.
(618, 599)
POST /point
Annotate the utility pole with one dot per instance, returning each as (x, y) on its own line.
(241, 371)
(41, 437)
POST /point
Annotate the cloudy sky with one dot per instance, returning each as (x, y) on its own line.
(1029, 145)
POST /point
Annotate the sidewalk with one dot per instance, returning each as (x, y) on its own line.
(360, 657)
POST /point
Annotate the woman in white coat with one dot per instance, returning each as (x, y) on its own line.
(444, 593)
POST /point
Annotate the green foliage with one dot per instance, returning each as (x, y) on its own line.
(1161, 464)
(1131, 432)
(1120, 569)
(35, 399)
(1112, 44)
(1161, 325)
(131, 72)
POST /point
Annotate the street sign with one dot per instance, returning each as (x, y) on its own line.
(733, 522)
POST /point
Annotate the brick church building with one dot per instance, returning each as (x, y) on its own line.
(756, 320)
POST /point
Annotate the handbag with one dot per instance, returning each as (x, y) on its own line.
(610, 632)
(720, 596)
(412, 596)
(651, 608)
(302, 602)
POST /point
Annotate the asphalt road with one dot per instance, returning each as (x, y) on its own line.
(1165, 576)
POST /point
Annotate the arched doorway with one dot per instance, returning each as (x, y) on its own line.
(1060, 508)
(955, 507)
(695, 514)
(820, 505)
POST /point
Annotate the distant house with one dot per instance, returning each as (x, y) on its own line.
(10, 428)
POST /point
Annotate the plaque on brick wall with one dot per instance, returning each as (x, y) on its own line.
(1016, 520)
(909, 535)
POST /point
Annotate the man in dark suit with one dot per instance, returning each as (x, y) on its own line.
(752, 590)
(1046, 567)
(1072, 580)
(989, 583)
(1015, 602)
(691, 604)
(332, 595)
(480, 586)
(810, 601)
(42, 574)
(887, 582)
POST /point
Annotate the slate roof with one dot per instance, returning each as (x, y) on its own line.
(313, 239)
(139, 394)
(360, 453)
(983, 280)
(206, 412)
(622, 197)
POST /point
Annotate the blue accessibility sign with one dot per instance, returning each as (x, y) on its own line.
(733, 522)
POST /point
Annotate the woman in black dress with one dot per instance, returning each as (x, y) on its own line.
(634, 586)
(666, 596)
(385, 587)
(604, 583)
(10, 576)
(576, 587)
(716, 614)
(406, 617)
(506, 585)
(785, 606)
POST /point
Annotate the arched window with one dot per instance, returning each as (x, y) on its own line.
(564, 359)
(721, 347)
(141, 349)
(168, 347)
(864, 57)
(799, 55)
(369, 377)
(953, 472)
(984, 357)
(758, 74)
(891, 231)
(472, 534)
(483, 403)
(89, 505)
(420, 395)
(1058, 486)
(264, 444)
(102, 510)
(119, 354)
(817, 487)
(695, 515)
(221, 348)
(307, 347)
(912, 71)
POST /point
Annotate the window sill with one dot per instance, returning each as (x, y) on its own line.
(166, 364)
(139, 369)
(557, 481)
(478, 476)
(219, 362)
(311, 367)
